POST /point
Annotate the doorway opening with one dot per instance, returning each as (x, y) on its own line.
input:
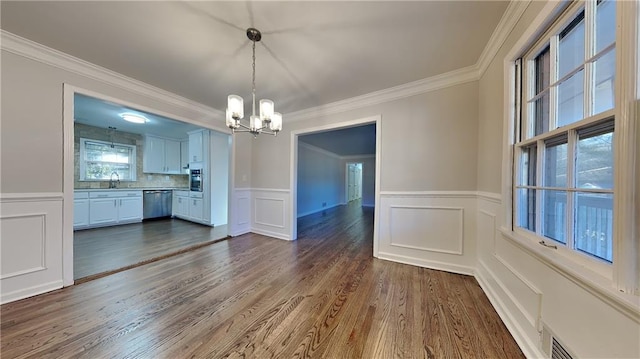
(353, 181)
(321, 159)
(113, 172)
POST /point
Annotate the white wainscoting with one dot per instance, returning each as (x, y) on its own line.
(30, 244)
(270, 215)
(240, 221)
(429, 229)
(515, 298)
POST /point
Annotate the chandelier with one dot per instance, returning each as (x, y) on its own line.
(268, 122)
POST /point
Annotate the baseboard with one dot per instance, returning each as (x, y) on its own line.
(240, 232)
(30, 292)
(529, 348)
(318, 210)
(271, 234)
(370, 205)
(447, 267)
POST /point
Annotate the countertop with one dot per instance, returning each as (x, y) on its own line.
(130, 189)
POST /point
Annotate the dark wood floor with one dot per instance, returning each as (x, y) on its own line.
(105, 249)
(253, 296)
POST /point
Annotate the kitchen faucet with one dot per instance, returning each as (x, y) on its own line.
(112, 183)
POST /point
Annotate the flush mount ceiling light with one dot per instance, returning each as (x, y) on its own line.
(268, 122)
(134, 118)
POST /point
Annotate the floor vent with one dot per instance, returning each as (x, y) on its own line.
(558, 351)
(552, 347)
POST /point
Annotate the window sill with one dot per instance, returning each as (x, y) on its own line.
(599, 286)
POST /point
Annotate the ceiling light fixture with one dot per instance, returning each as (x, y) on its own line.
(134, 118)
(268, 122)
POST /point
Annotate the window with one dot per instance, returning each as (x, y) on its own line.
(563, 183)
(99, 160)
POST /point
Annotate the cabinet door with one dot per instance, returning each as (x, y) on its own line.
(195, 146)
(153, 157)
(183, 206)
(172, 157)
(184, 155)
(196, 208)
(103, 211)
(130, 209)
(80, 213)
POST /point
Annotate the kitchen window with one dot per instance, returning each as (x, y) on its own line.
(104, 161)
(564, 140)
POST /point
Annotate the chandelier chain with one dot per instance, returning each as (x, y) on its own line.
(253, 80)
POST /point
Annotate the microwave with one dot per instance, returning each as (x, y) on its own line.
(195, 180)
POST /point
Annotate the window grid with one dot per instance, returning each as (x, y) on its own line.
(99, 160)
(535, 134)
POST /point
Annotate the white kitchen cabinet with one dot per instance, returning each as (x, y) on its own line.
(129, 209)
(180, 204)
(184, 155)
(196, 142)
(107, 208)
(196, 208)
(103, 211)
(80, 210)
(161, 155)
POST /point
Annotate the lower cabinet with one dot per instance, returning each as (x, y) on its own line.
(196, 208)
(80, 210)
(188, 205)
(106, 208)
(103, 211)
(181, 206)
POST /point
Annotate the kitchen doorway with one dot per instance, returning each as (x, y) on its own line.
(110, 231)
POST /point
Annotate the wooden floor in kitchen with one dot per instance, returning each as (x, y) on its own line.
(253, 296)
(104, 250)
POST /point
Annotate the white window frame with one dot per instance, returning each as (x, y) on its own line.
(550, 39)
(621, 278)
(83, 167)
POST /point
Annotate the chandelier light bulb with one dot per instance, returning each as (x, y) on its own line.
(266, 110)
(276, 122)
(231, 122)
(235, 104)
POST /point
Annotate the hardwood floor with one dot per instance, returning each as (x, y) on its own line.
(253, 296)
(103, 250)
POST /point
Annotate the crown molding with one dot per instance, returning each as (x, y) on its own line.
(32, 50)
(318, 150)
(357, 157)
(452, 78)
(508, 21)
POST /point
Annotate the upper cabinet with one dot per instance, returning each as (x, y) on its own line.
(184, 154)
(161, 155)
(196, 146)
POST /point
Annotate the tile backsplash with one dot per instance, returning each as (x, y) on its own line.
(151, 180)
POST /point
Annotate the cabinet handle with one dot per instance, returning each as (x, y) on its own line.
(194, 202)
(114, 203)
(120, 203)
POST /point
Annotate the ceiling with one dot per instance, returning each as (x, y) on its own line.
(99, 113)
(312, 52)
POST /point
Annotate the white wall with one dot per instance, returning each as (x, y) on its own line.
(320, 180)
(220, 145)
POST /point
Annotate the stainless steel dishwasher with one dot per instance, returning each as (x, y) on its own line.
(156, 204)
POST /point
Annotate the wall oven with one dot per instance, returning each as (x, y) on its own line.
(195, 180)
